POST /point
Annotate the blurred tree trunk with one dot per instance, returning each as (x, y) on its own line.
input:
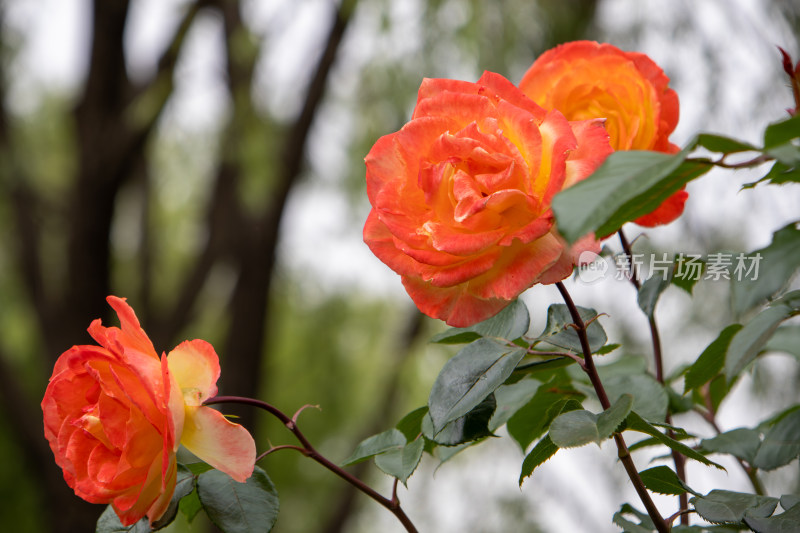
(113, 120)
(110, 138)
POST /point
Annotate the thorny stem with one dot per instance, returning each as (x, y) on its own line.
(744, 164)
(393, 504)
(678, 459)
(529, 351)
(622, 448)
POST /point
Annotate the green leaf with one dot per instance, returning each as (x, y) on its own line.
(609, 420)
(663, 480)
(580, 427)
(198, 468)
(469, 377)
(677, 402)
(109, 523)
(532, 366)
(608, 348)
(788, 522)
(789, 500)
(726, 507)
(401, 463)
(718, 389)
(391, 439)
(724, 145)
(650, 291)
(649, 397)
(785, 339)
(646, 443)
(629, 184)
(742, 443)
(445, 453)
(544, 450)
(511, 323)
(778, 175)
(634, 422)
(184, 485)
(532, 420)
(706, 529)
(573, 429)
(711, 361)
(472, 426)
(558, 331)
(190, 506)
(781, 443)
(773, 267)
(781, 132)
(511, 398)
(234, 507)
(645, 524)
(688, 271)
(627, 365)
(411, 424)
(786, 154)
(747, 343)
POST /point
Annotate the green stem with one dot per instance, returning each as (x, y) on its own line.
(622, 448)
(393, 504)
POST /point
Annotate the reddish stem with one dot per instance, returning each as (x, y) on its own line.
(622, 448)
(393, 504)
(658, 359)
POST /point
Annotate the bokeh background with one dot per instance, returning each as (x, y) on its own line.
(204, 159)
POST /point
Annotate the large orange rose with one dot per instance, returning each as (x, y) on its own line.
(585, 80)
(115, 414)
(461, 196)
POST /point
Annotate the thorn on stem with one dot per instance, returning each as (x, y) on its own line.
(303, 408)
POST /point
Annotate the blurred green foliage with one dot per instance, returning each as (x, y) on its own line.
(332, 347)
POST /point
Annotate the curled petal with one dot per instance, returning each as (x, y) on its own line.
(226, 446)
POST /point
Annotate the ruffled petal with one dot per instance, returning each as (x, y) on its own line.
(130, 334)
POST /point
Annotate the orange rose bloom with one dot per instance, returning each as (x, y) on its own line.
(461, 196)
(585, 80)
(115, 414)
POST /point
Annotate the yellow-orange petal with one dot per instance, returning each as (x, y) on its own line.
(195, 367)
(226, 446)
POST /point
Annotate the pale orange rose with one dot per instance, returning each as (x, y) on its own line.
(115, 415)
(585, 80)
(461, 196)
